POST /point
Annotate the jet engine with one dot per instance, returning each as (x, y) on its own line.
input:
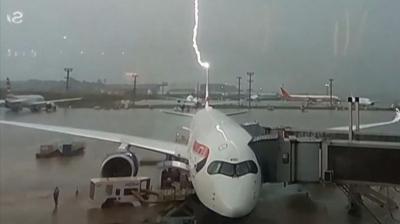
(50, 106)
(121, 164)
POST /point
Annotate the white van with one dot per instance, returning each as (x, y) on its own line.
(106, 191)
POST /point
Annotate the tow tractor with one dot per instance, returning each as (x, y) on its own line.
(135, 191)
(122, 190)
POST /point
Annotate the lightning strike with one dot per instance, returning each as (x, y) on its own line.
(346, 45)
(335, 39)
(203, 64)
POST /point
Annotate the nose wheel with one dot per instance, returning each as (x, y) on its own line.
(51, 107)
(177, 213)
(35, 109)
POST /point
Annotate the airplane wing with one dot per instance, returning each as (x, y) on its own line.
(55, 101)
(159, 146)
(236, 113)
(65, 100)
(192, 115)
(364, 126)
(178, 113)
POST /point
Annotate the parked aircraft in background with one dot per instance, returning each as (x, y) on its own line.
(191, 101)
(33, 102)
(308, 98)
(366, 101)
(222, 165)
(264, 97)
(217, 156)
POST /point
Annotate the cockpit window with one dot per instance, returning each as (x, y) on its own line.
(214, 167)
(252, 167)
(231, 170)
(227, 169)
(242, 168)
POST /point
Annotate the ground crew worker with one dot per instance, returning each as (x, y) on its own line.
(76, 192)
(55, 196)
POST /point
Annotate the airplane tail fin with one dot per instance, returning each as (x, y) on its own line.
(285, 94)
(8, 86)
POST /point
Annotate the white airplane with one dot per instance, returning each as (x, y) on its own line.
(308, 98)
(190, 101)
(193, 103)
(224, 170)
(366, 101)
(263, 96)
(34, 102)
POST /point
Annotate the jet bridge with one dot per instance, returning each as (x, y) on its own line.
(299, 156)
(355, 166)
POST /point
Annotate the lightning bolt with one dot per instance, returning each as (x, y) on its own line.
(203, 64)
(335, 39)
(346, 44)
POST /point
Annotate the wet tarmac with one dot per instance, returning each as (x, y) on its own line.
(294, 204)
(27, 184)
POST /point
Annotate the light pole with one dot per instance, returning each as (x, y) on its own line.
(223, 92)
(330, 90)
(197, 90)
(68, 71)
(239, 78)
(207, 67)
(134, 76)
(327, 88)
(134, 87)
(250, 74)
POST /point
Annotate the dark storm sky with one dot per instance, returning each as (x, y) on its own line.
(283, 41)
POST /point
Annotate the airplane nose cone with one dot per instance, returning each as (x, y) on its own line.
(238, 201)
(238, 210)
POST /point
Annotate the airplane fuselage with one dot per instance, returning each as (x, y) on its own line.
(315, 98)
(366, 101)
(308, 98)
(223, 168)
(17, 102)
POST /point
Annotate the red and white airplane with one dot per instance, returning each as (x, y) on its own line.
(308, 98)
(220, 162)
(223, 168)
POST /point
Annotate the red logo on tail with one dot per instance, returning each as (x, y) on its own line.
(285, 94)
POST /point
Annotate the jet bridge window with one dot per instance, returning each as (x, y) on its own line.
(232, 170)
